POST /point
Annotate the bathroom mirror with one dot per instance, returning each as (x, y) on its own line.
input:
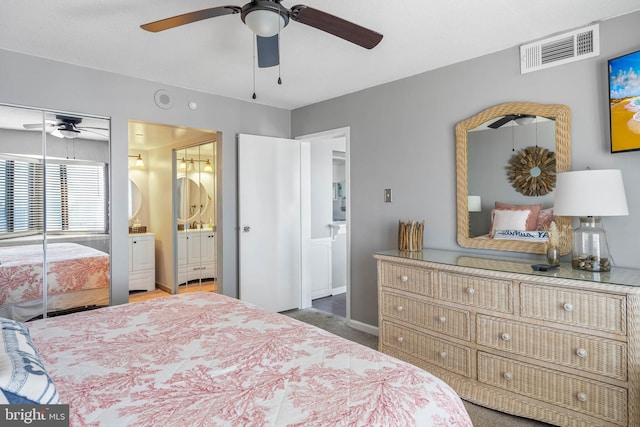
(193, 199)
(497, 188)
(135, 200)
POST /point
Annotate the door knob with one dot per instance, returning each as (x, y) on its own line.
(246, 229)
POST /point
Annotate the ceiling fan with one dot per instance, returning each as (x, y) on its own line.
(521, 119)
(265, 18)
(65, 127)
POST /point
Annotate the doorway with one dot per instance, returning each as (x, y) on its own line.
(153, 169)
(330, 220)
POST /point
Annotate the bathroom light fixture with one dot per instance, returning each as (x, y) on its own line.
(183, 165)
(589, 195)
(139, 162)
(208, 167)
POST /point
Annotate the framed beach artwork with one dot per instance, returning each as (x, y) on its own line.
(624, 102)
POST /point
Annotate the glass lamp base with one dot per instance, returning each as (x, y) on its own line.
(590, 249)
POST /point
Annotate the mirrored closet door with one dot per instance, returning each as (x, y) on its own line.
(196, 212)
(54, 219)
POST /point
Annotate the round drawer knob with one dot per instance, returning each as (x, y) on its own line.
(505, 336)
(400, 339)
(582, 397)
(568, 306)
(508, 376)
(442, 319)
(404, 278)
(443, 354)
(581, 352)
(471, 291)
(399, 308)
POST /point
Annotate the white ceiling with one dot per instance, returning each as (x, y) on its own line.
(215, 56)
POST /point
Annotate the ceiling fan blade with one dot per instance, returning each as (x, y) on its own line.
(32, 126)
(48, 124)
(90, 128)
(268, 51)
(188, 18)
(502, 121)
(337, 26)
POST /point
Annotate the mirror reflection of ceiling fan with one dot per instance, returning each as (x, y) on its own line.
(521, 119)
(265, 18)
(65, 127)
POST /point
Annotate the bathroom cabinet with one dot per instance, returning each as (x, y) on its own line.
(196, 255)
(142, 265)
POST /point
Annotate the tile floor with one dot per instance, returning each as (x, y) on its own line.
(335, 304)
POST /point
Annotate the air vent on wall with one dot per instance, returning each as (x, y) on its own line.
(561, 49)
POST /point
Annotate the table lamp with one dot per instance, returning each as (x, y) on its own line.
(590, 195)
(474, 204)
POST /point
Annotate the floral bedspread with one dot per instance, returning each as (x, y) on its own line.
(203, 359)
(70, 267)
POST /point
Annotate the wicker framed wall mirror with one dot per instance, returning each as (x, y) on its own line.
(485, 143)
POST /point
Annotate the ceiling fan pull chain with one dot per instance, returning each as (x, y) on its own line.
(254, 67)
(279, 62)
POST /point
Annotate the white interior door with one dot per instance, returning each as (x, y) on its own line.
(269, 211)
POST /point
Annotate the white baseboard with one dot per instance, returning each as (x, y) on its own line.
(338, 291)
(373, 330)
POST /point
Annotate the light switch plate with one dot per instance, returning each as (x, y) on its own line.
(387, 195)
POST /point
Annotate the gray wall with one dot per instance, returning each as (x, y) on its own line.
(404, 131)
(402, 137)
(31, 81)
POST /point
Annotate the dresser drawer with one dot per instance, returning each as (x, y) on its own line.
(423, 314)
(477, 291)
(452, 357)
(594, 398)
(584, 352)
(593, 310)
(411, 279)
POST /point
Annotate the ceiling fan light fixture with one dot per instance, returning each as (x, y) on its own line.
(525, 120)
(265, 22)
(69, 133)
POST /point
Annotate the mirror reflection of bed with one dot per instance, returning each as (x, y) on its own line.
(64, 222)
(489, 154)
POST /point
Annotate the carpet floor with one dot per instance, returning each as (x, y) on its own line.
(480, 416)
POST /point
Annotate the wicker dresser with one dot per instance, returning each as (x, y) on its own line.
(559, 346)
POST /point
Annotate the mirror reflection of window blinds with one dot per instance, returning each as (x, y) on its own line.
(16, 185)
(75, 196)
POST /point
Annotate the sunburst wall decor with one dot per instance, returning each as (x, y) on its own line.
(532, 171)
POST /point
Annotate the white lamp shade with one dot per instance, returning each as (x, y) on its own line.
(475, 204)
(264, 23)
(590, 193)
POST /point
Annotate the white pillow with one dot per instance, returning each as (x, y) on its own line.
(506, 219)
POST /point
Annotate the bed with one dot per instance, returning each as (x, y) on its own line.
(205, 359)
(77, 276)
